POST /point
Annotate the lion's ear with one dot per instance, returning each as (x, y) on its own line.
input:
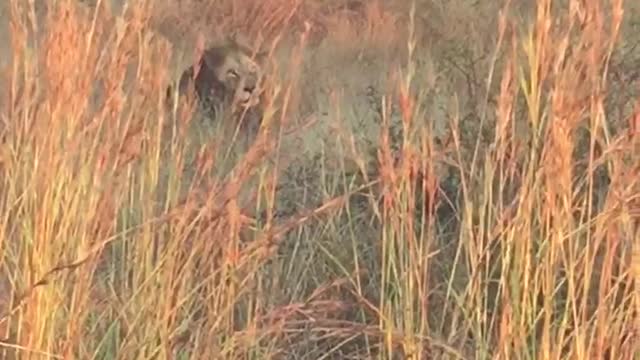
(232, 37)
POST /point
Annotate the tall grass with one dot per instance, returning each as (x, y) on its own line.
(128, 231)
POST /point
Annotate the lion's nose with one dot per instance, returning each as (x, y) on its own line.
(249, 88)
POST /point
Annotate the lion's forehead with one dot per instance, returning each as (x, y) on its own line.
(242, 63)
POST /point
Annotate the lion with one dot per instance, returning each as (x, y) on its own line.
(226, 77)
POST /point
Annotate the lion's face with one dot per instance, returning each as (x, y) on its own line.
(226, 75)
(239, 74)
(230, 73)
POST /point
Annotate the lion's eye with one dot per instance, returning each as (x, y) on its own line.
(233, 74)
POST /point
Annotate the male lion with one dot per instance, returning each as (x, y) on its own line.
(227, 78)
